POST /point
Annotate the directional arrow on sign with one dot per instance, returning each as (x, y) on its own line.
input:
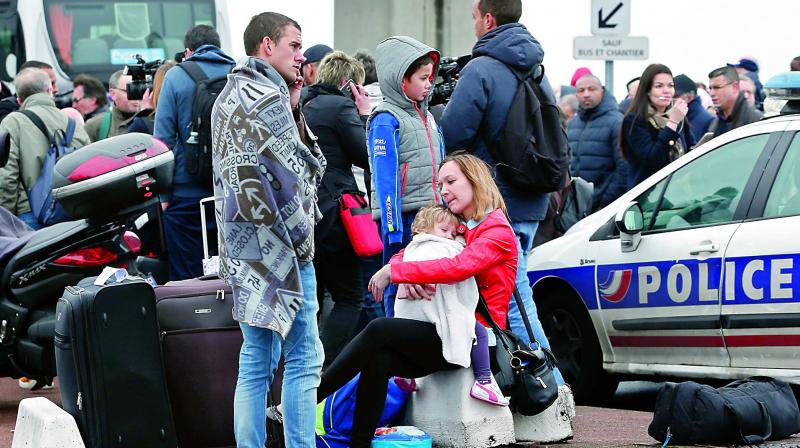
(603, 21)
(611, 17)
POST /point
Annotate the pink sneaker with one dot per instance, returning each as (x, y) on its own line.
(489, 393)
(406, 384)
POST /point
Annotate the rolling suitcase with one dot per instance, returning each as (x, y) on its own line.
(201, 343)
(110, 370)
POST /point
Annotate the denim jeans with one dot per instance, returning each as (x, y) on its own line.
(525, 231)
(258, 359)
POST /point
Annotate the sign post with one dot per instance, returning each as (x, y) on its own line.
(611, 24)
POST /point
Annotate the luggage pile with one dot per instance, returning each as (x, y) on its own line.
(144, 366)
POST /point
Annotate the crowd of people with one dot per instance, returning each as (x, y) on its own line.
(324, 123)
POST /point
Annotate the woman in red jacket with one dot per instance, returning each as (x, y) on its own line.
(408, 348)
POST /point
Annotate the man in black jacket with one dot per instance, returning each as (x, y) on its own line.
(733, 111)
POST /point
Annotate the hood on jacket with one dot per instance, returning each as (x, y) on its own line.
(393, 56)
(512, 44)
(608, 103)
(316, 90)
(210, 53)
(38, 99)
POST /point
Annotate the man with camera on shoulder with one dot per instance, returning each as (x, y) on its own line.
(115, 121)
(181, 222)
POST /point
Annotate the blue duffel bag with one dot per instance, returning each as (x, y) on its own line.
(335, 414)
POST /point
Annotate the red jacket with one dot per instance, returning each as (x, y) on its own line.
(490, 257)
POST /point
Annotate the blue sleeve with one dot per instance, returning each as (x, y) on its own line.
(166, 120)
(383, 144)
(464, 113)
(617, 179)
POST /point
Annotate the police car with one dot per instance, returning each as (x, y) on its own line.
(693, 273)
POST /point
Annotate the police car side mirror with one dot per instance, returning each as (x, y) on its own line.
(630, 223)
(5, 148)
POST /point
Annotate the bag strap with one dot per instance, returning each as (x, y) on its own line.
(70, 131)
(38, 122)
(483, 309)
(194, 71)
(105, 126)
(524, 314)
(766, 425)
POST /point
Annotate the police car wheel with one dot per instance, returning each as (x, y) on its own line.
(574, 342)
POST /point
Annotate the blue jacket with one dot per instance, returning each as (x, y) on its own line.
(174, 113)
(699, 118)
(647, 148)
(478, 108)
(594, 138)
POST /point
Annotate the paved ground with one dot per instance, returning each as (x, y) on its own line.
(620, 427)
(594, 427)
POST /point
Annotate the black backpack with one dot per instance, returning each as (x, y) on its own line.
(532, 153)
(197, 151)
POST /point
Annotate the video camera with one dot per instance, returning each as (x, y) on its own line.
(63, 99)
(142, 76)
(449, 69)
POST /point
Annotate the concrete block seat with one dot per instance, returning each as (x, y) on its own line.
(443, 408)
(554, 424)
(42, 424)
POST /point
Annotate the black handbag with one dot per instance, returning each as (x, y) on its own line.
(746, 412)
(524, 373)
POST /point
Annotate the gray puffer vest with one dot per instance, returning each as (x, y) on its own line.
(421, 146)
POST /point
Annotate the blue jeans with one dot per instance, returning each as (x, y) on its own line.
(390, 250)
(525, 231)
(258, 359)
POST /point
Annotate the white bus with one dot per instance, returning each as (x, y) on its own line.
(98, 37)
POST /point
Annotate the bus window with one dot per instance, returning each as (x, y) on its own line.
(99, 36)
(12, 45)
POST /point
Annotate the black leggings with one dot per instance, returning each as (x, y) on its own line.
(387, 347)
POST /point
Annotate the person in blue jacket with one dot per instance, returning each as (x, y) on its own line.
(593, 135)
(477, 114)
(182, 229)
(405, 143)
(698, 117)
(654, 131)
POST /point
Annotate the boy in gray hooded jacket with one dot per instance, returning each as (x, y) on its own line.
(405, 143)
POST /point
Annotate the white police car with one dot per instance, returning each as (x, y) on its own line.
(693, 273)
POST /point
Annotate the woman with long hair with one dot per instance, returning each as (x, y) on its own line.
(654, 131)
(410, 348)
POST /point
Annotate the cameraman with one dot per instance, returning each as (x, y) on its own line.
(182, 228)
(116, 121)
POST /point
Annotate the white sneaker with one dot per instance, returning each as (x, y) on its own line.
(489, 393)
(29, 383)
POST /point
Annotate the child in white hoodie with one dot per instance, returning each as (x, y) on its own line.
(452, 308)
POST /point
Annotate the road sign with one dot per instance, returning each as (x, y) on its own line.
(610, 48)
(611, 17)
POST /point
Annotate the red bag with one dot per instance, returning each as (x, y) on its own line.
(358, 223)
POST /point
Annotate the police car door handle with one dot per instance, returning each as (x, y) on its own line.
(708, 247)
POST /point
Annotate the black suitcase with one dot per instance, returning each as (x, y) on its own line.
(201, 343)
(108, 357)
